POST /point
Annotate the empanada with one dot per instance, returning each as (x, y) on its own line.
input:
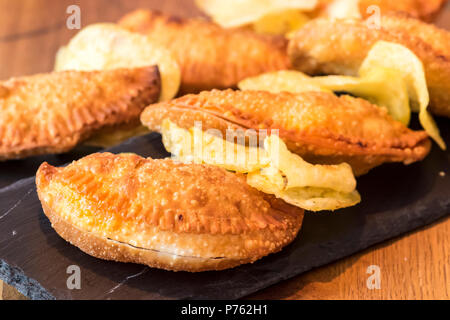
(210, 56)
(319, 126)
(339, 47)
(52, 113)
(165, 214)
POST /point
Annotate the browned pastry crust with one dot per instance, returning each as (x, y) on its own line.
(319, 126)
(169, 215)
(210, 56)
(339, 47)
(436, 37)
(422, 9)
(51, 113)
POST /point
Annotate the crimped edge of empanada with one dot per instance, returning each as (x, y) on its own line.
(139, 97)
(170, 256)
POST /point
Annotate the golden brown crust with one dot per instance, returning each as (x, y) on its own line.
(339, 47)
(210, 56)
(319, 126)
(436, 37)
(164, 214)
(51, 113)
(422, 9)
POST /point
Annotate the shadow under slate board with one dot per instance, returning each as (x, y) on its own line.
(396, 199)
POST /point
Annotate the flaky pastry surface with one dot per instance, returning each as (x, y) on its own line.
(210, 56)
(339, 47)
(51, 113)
(162, 213)
(319, 126)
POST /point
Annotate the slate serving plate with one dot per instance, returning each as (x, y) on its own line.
(34, 259)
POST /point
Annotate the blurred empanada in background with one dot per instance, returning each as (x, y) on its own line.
(52, 113)
(319, 126)
(325, 46)
(422, 9)
(210, 56)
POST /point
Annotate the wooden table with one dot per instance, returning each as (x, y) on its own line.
(416, 266)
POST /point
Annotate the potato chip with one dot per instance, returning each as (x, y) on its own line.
(106, 46)
(380, 86)
(236, 13)
(196, 146)
(278, 81)
(273, 170)
(283, 22)
(300, 173)
(312, 199)
(61, 58)
(408, 66)
(399, 58)
(344, 9)
(311, 187)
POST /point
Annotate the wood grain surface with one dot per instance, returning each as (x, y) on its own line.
(416, 266)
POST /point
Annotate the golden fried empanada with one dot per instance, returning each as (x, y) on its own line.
(421, 9)
(210, 56)
(339, 47)
(434, 36)
(319, 126)
(51, 113)
(164, 214)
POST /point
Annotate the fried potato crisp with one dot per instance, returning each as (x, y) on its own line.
(272, 169)
(107, 46)
(284, 22)
(408, 66)
(236, 13)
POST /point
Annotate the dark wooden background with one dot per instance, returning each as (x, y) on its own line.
(416, 266)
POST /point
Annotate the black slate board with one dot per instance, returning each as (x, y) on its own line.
(396, 199)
